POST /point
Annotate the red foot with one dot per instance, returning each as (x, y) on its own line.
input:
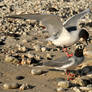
(68, 55)
(69, 75)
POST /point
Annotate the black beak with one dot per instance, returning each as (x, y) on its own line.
(87, 41)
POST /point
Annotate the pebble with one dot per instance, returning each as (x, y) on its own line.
(49, 56)
(36, 72)
(11, 59)
(11, 85)
(24, 87)
(63, 84)
(89, 74)
(22, 48)
(43, 49)
(82, 81)
(60, 89)
(37, 47)
(76, 89)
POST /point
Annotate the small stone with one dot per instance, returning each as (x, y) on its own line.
(11, 85)
(22, 87)
(63, 84)
(25, 86)
(76, 89)
(60, 89)
(85, 88)
(89, 85)
(49, 56)
(20, 77)
(36, 47)
(28, 61)
(43, 49)
(82, 81)
(85, 70)
(36, 72)
(24, 41)
(11, 8)
(10, 59)
(29, 55)
(21, 48)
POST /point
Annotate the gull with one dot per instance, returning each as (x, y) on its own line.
(67, 63)
(61, 34)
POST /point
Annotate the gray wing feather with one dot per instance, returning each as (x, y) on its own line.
(52, 22)
(58, 62)
(73, 21)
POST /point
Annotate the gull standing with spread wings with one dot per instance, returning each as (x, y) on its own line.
(63, 35)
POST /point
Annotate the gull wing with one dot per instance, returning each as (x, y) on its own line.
(58, 62)
(51, 22)
(73, 21)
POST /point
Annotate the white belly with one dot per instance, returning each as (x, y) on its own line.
(65, 39)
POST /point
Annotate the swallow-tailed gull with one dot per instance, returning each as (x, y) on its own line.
(61, 34)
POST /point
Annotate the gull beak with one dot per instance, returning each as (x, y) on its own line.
(88, 41)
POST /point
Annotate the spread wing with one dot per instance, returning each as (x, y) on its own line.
(51, 22)
(73, 21)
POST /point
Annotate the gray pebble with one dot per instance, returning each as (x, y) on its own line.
(43, 49)
(36, 47)
(76, 89)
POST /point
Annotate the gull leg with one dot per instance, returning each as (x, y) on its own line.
(70, 76)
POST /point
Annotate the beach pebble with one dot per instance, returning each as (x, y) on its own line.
(22, 87)
(36, 47)
(43, 49)
(76, 89)
(49, 57)
(22, 48)
(86, 89)
(29, 55)
(11, 85)
(36, 72)
(82, 81)
(11, 59)
(25, 87)
(63, 84)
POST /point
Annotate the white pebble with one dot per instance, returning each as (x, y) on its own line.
(43, 49)
(63, 84)
(36, 72)
(11, 85)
